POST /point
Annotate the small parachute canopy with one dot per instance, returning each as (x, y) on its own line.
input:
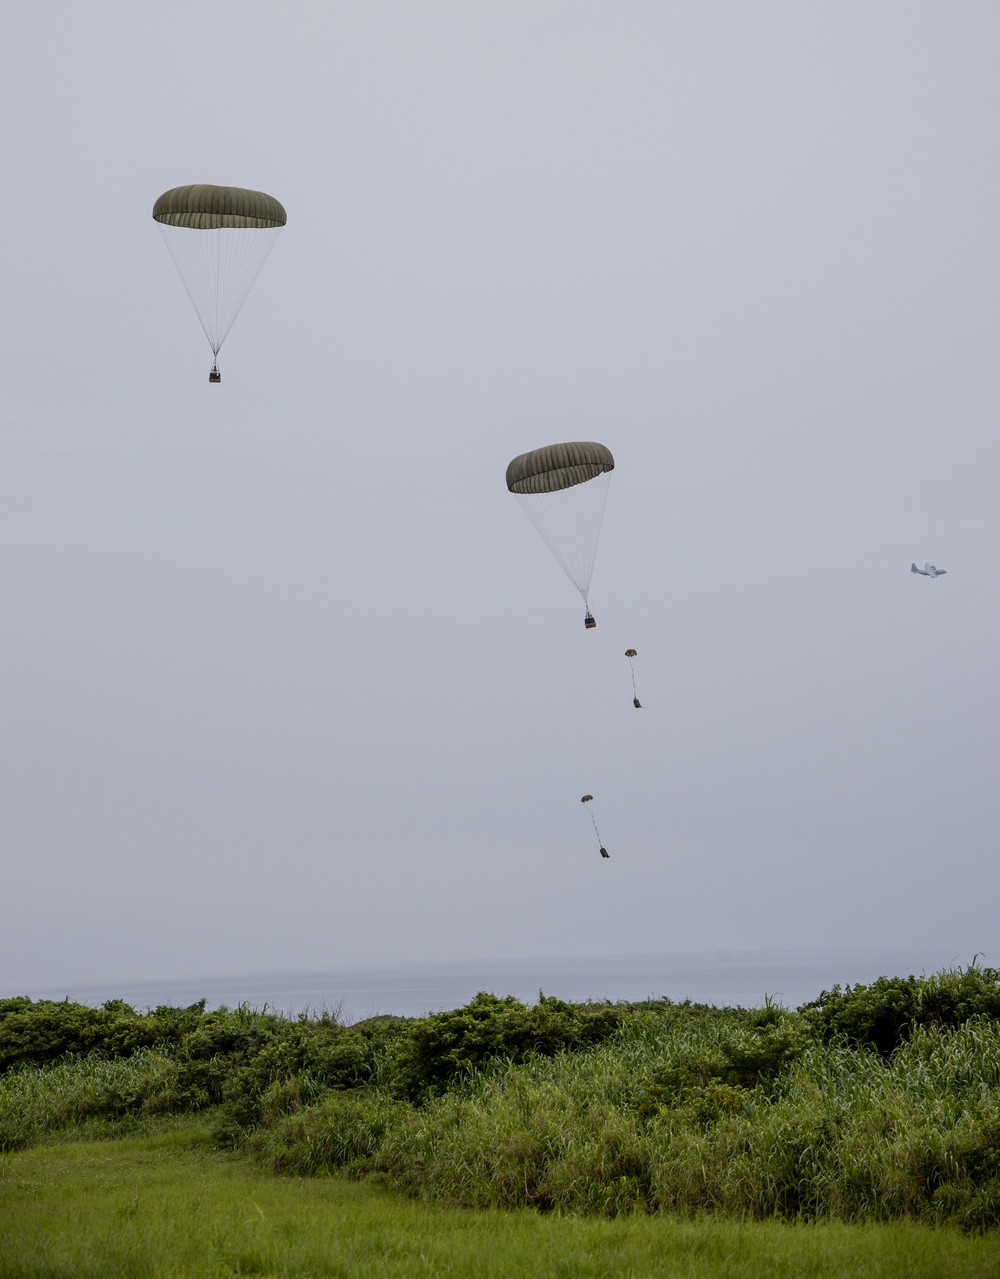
(630, 652)
(585, 799)
(563, 489)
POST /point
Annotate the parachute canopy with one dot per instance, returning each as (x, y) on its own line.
(558, 466)
(630, 652)
(219, 238)
(563, 489)
(585, 799)
(207, 208)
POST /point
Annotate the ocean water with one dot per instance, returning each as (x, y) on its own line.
(721, 977)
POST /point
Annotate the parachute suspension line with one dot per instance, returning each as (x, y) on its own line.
(218, 268)
(585, 800)
(631, 654)
(218, 290)
(569, 522)
(243, 253)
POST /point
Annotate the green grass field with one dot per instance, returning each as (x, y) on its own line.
(168, 1203)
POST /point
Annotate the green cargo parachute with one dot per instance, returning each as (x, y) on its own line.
(563, 489)
(631, 654)
(219, 238)
(587, 799)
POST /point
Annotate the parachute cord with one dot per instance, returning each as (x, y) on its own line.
(635, 695)
(569, 522)
(596, 831)
(217, 269)
(218, 287)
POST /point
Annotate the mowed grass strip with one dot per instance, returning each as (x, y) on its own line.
(169, 1204)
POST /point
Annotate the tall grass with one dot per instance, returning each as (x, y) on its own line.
(643, 1124)
(61, 1097)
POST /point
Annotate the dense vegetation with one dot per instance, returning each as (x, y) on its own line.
(870, 1103)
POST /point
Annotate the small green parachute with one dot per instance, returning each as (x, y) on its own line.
(631, 654)
(585, 799)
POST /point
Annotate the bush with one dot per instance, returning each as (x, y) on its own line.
(37, 1032)
(884, 1014)
(302, 1060)
(342, 1130)
(246, 1058)
(438, 1050)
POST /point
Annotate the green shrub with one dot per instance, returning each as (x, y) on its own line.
(343, 1129)
(438, 1050)
(37, 1032)
(305, 1059)
(714, 1073)
(243, 1057)
(884, 1014)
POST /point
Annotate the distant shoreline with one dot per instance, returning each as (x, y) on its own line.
(744, 978)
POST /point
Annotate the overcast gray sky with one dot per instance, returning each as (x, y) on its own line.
(288, 679)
